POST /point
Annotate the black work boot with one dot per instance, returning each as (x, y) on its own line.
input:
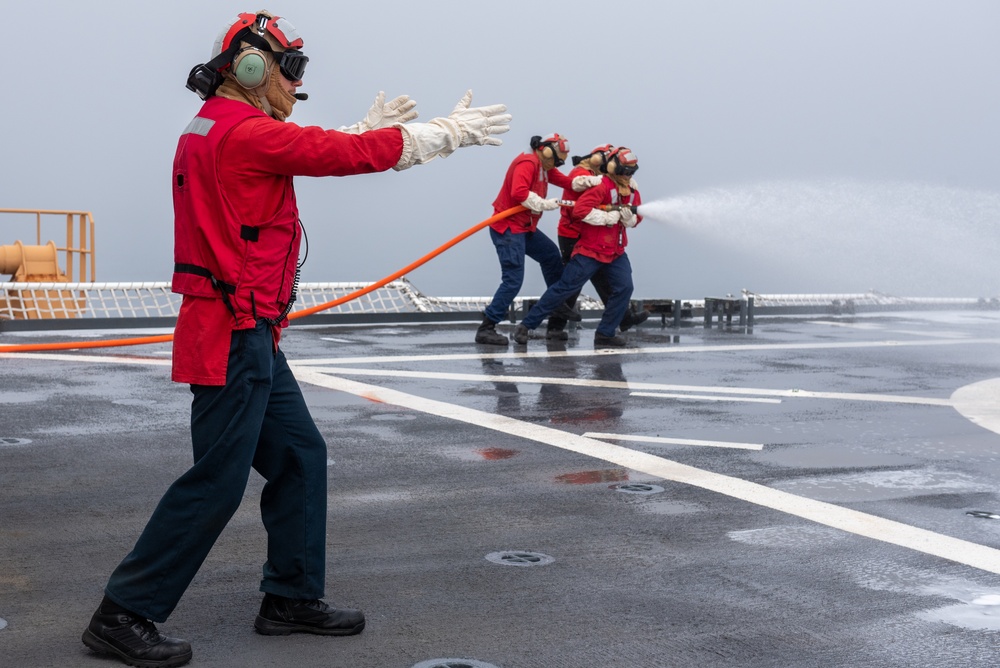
(556, 334)
(487, 333)
(280, 616)
(602, 341)
(567, 313)
(633, 319)
(133, 639)
(520, 334)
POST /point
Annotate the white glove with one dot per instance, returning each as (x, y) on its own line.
(476, 125)
(382, 115)
(537, 204)
(464, 126)
(581, 183)
(628, 219)
(602, 218)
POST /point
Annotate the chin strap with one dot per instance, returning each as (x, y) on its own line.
(265, 105)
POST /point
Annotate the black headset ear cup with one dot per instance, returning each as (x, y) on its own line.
(536, 141)
(250, 67)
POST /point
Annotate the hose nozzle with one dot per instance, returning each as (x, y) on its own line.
(620, 207)
(634, 208)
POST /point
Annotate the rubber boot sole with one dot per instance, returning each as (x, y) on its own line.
(496, 340)
(269, 627)
(100, 646)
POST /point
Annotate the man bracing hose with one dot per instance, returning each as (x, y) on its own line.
(607, 211)
(516, 237)
(593, 164)
(237, 238)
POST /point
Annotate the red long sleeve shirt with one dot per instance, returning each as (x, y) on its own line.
(525, 175)
(569, 221)
(604, 244)
(235, 216)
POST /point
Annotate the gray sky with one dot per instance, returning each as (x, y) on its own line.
(821, 146)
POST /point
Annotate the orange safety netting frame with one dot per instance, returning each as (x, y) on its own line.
(164, 338)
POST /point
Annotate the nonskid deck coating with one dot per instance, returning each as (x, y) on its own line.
(846, 536)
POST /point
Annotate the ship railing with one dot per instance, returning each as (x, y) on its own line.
(50, 300)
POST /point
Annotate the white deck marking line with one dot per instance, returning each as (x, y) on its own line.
(661, 350)
(673, 441)
(626, 385)
(877, 528)
(702, 397)
(63, 357)
(980, 403)
(654, 387)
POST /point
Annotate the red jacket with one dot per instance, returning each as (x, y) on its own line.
(236, 223)
(524, 175)
(604, 244)
(569, 220)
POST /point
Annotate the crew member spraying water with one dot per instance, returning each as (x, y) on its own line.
(603, 238)
(589, 166)
(516, 237)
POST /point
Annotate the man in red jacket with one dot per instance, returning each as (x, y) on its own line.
(601, 246)
(517, 236)
(569, 232)
(237, 235)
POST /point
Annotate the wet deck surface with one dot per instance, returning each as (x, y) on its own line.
(816, 492)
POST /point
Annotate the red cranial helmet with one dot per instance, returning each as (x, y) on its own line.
(622, 162)
(278, 31)
(556, 145)
(248, 46)
(600, 151)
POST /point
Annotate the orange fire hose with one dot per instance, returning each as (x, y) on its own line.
(163, 338)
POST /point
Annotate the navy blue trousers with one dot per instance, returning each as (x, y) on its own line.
(511, 250)
(258, 420)
(598, 280)
(578, 271)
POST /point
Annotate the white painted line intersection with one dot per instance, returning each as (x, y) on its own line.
(628, 385)
(651, 350)
(877, 528)
(977, 402)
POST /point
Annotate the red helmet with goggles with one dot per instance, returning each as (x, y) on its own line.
(601, 151)
(261, 31)
(625, 162)
(556, 143)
